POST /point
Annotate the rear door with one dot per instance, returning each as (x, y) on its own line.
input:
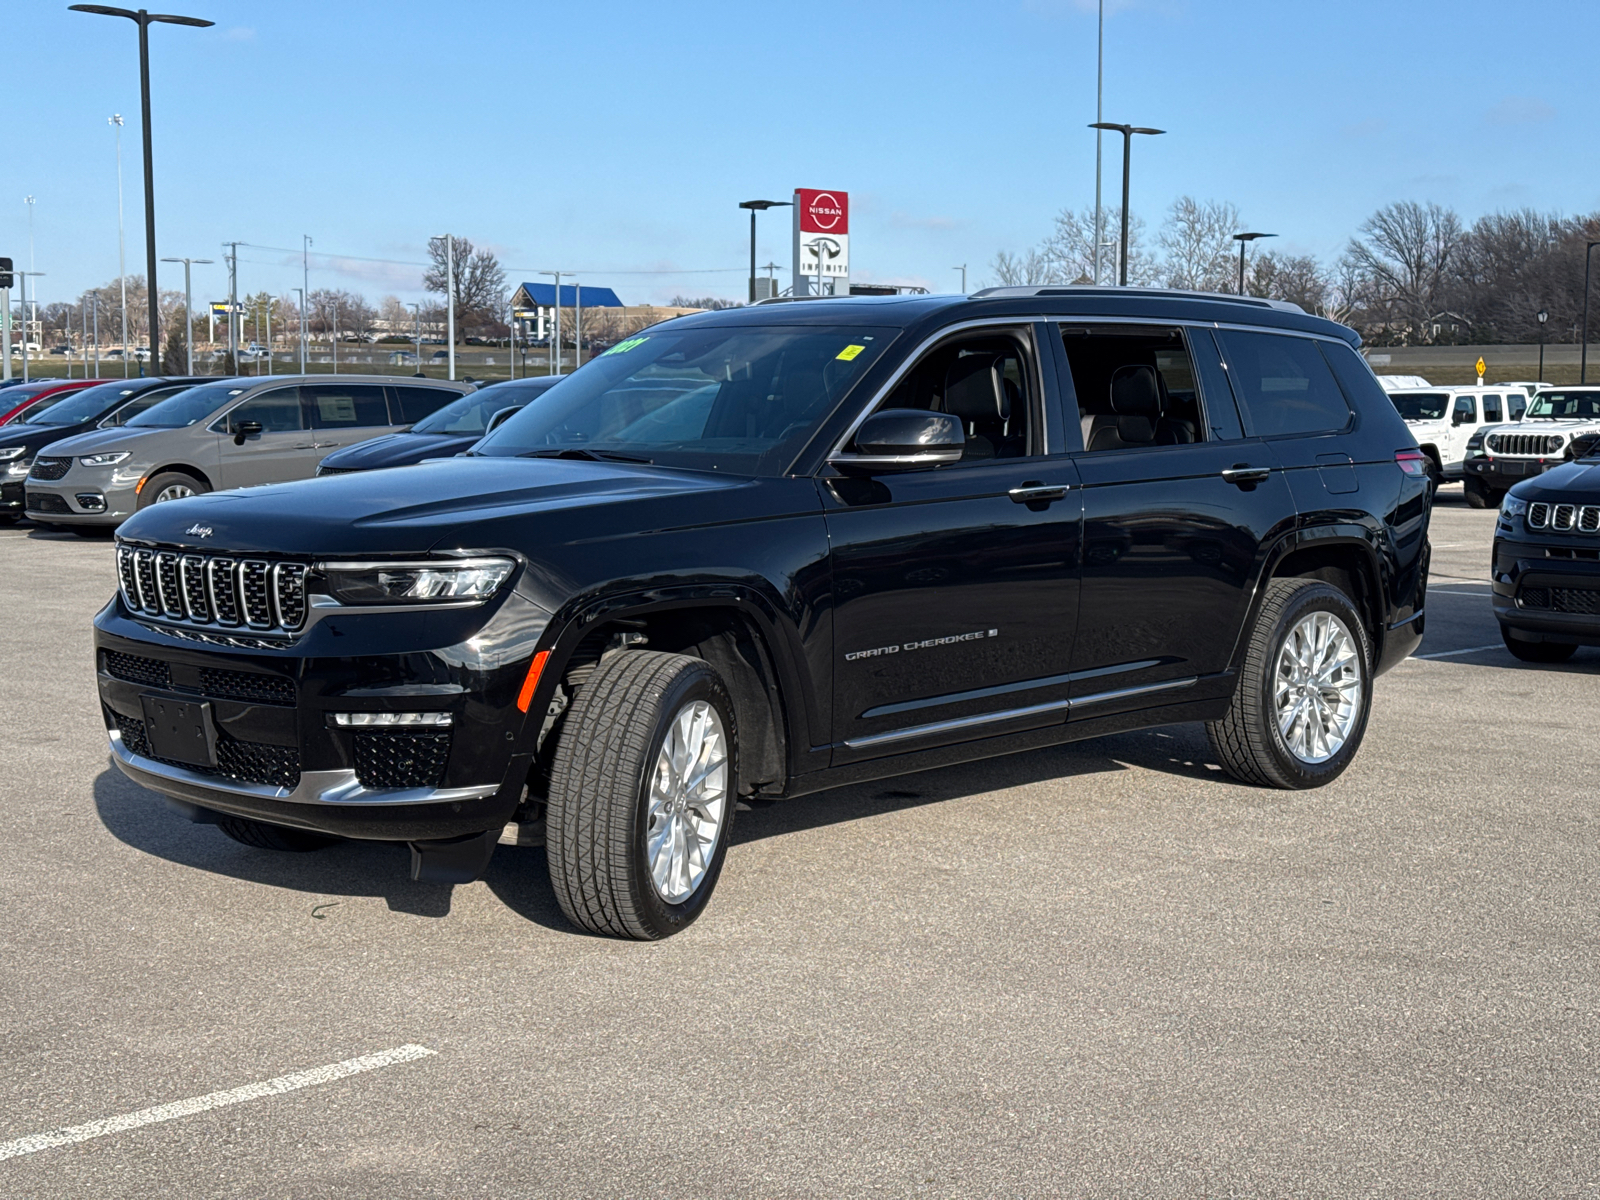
(281, 451)
(342, 414)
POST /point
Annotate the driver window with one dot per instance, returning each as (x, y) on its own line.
(984, 381)
(278, 411)
(1135, 387)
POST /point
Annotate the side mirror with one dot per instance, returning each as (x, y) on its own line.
(501, 417)
(902, 439)
(1460, 418)
(245, 429)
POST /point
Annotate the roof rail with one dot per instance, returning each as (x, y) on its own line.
(1003, 293)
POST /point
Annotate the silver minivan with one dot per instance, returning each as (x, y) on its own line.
(227, 434)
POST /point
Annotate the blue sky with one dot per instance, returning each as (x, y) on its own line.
(616, 139)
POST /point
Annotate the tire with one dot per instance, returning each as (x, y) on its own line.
(272, 837)
(1477, 493)
(1435, 473)
(604, 800)
(171, 485)
(1537, 652)
(1250, 740)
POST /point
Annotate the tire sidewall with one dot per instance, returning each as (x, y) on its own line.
(153, 488)
(1324, 598)
(698, 682)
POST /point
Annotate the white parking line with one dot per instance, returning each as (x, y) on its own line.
(200, 1104)
(1468, 650)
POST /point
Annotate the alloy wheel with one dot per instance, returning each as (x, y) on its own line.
(688, 801)
(173, 491)
(1317, 687)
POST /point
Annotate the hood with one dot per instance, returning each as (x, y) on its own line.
(36, 437)
(1570, 483)
(398, 450)
(97, 440)
(457, 503)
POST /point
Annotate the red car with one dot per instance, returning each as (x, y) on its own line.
(19, 397)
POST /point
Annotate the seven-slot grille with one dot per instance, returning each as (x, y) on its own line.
(1564, 518)
(1532, 445)
(50, 468)
(213, 589)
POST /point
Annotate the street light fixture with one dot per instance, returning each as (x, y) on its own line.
(1541, 316)
(188, 311)
(1127, 132)
(144, 20)
(1583, 357)
(1242, 239)
(963, 269)
(115, 120)
(756, 206)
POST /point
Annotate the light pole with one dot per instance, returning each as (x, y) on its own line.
(1243, 239)
(1583, 356)
(305, 290)
(754, 206)
(144, 20)
(1127, 132)
(555, 333)
(115, 120)
(417, 309)
(25, 276)
(963, 269)
(1541, 316)
(301, 293)
(450, 299)
(1099, 117)
(188, 311)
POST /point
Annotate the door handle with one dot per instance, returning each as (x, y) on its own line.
(1034, 492)
(1247, 474)
(307, 446)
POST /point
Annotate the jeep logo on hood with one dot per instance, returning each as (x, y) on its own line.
(198, 531)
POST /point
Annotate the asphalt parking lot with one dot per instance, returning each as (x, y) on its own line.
(1096, 970)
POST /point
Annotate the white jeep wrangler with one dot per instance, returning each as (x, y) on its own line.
(1499, 457)
(1443, 419)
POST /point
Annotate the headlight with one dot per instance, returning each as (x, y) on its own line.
(1512, 507)
(18, 467)
(10, 452)
(104, 460)
(417, 582)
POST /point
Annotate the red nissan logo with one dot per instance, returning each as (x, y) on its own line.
(826, 210)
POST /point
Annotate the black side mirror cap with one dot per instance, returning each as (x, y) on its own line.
(245, 429)
(903, 439)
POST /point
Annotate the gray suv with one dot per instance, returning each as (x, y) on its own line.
(227, 434)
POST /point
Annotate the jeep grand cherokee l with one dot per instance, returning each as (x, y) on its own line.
(772, 550)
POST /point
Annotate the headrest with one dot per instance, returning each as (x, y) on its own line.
(974, 389)
(1136, 391)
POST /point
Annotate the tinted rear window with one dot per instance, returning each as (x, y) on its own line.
(1284, 383)
(419, 402)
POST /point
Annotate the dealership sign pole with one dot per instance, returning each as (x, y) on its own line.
(821, 242)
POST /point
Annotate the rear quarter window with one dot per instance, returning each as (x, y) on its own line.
(414, 403)
(1284, 384)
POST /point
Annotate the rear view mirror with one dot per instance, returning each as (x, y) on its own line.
(501, 417)
(903, 439)
(245, 429)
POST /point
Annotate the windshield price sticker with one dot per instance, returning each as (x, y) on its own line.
(849, 352)
(624, 347)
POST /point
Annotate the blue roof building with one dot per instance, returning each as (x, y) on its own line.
(543, 295)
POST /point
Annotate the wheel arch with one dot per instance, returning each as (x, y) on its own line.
(1345, 559)
(178, 468)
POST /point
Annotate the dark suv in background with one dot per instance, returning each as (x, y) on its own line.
(762, 552)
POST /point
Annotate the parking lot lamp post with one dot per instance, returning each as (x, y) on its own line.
(1243, 239)
(450, 299)
(754, 206)
(300, 295)
(1127, 132)
(1583, 355)
(417, 309)
(305, 290)
(555, 333)
(188, 310)
(122, 262)
(577, 324)
(963, 269)
(25, 276)
(1541, 316)
(95, 300)
(144, 20)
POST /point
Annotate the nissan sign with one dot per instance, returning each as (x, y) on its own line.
(821, 241)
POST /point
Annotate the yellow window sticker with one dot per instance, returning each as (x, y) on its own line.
(624, 347)
(849, 352)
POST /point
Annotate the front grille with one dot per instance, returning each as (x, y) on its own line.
(1579, 601)
(133, 669)
(47, 502)
(213, 589)
(394, 759)
(246, 685)
(248, 762)
(46, 469)
(1528, 445)
(1564, 518)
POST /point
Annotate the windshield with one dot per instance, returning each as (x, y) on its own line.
(1556, 405)
(77, 407)
(471, 413)
(186, 408)
(1415, 406)
(722, 398)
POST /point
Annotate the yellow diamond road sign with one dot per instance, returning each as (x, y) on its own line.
(1481, 366)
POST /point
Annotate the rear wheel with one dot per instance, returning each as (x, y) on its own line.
(1435, 471)
(170, 485)
(1537, 652)
(272, 837)
(1299, 711)
(1478, 493)
(642, 794)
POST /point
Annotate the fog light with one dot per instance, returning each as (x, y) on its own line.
(392, 719)
(91, 501)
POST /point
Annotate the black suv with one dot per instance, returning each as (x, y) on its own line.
(766, 551)
(1546, 560)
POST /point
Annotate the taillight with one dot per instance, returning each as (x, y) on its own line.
(1412, 462)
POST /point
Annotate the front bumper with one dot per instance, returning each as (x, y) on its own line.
(1503, 473)
(1547, 589)
(83, 496)
(279, 756)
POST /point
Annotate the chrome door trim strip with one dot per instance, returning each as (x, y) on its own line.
(1001, 689)
(1170, 685)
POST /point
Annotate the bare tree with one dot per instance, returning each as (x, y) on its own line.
(1297, 279)
(1405, 256)
(356, 317)
(1070, 248)
(710, 303)
(395, 317)
(1198, 240)
(480, 281)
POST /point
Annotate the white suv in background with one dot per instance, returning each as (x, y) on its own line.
(1443, 419)
(1539, 441)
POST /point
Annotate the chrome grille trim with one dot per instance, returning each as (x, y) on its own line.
(1538, 515)
(1589, 519)
(1562, 519)
(1527, 445)
(214, 591)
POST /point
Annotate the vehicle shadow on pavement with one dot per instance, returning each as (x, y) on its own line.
(141, 819)
(1171, 750)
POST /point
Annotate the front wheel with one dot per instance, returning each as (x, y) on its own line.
(170, 485)
(1299, 711)
(642, 793)
(1537, 652)
(1478, 493)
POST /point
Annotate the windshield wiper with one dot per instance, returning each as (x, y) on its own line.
(578, 452)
